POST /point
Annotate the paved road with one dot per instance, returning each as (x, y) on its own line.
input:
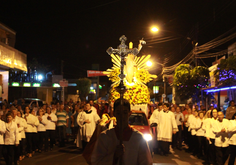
(71, 156)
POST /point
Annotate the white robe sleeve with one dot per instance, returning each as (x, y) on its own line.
(232, 126)
(36, 122)
(2, 127)
(154, 117)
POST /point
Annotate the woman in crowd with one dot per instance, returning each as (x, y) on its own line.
(192, 122)
(200, 133)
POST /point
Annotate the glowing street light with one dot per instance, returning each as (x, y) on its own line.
(40, 77)
(154, 29)
(149, 63)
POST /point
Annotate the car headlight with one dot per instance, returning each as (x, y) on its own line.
(147, 137)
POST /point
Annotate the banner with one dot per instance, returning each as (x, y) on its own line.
(94, 73)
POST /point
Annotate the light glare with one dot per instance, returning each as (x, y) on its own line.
(154, 29)
(149, 63)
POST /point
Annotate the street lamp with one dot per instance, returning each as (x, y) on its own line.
(154, 29)
(149, 63)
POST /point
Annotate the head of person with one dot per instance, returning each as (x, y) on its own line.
(91, 102)
(220, 116)
(201, 114)
(61, 107)
(160, 107)
(48, 110)
(232, 103)
(9, 117)
(19, 113)
(27, 110)
(44, 106)
(14, 112)
(166, 107)
(172, 109)
(53, 105)
(122, 112)
(211, 107)
(187, 106)
(196, 107)
(214, 113)
(178, 110)
(15, 102)
(41, 112)
(19, 107)
(87, 106)
(189, 111)
(195, 113)
(67, 108)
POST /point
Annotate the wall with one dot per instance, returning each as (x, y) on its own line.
(4, 84)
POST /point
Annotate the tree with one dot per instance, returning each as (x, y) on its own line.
(226, 72)
(83, 85)
(188, 81)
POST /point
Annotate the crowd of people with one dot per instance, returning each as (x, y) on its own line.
(209, 135)
(26, 129)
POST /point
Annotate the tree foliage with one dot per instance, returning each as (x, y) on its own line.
(83, 85)
(226, 72)
(188, 81)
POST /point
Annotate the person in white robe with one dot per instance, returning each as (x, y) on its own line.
(207, 119)
(166, 126)
(11, 140)
(87, 120)
(23, 125)
(220, 129)
(134, 149)
(200, 134)
(210, 136)
(232, 140)
(192, 124)
(2, 132)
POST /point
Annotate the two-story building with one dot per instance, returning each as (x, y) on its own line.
(10, 58)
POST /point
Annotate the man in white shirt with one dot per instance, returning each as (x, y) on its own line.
(179, 117)
(220, 128)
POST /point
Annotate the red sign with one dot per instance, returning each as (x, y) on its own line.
(63, 83)
(94, 73)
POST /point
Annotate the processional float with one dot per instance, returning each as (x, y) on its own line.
(129, 75)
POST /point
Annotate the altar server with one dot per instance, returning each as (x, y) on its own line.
(87, 122)
(166, 126)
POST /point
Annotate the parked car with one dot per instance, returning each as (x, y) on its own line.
(138, 121)
(33, 100)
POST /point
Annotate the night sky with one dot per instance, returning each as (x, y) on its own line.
(80, 31)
